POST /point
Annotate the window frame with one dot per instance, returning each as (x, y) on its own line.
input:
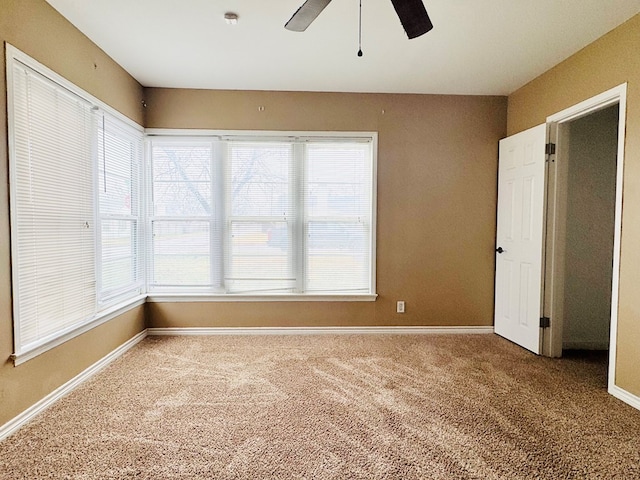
(104, 311)
(167, 295)
(109, 297)
(229, 218)
(308, 219)
(150, 217)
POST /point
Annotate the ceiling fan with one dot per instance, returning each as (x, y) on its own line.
(412, 14)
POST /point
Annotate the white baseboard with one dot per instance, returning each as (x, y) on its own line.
(318, 330)
(626, 397)
(17, 422)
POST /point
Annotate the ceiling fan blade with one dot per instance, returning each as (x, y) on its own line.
(306, 14)
(413, 17)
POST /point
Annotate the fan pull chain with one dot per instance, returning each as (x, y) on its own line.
(360, 30)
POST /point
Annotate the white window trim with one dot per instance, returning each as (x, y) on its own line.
(139, 300)
(240, 297)
(102, 317)
(113, 297)
(12, 54)
(171, 296)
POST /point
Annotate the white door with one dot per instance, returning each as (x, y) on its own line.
(519, 237)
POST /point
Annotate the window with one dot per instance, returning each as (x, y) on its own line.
(262, 215)
(183, 215)
(74, 206)
(119, 159)
(52, 206)
(338, 217)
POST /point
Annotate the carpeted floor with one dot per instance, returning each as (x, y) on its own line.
(333, 407)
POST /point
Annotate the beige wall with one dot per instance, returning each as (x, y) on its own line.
(610, 61)
(437, 163)
(35, 28)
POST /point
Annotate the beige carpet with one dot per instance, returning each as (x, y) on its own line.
(333, 407)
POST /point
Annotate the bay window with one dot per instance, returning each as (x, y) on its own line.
(97, 224)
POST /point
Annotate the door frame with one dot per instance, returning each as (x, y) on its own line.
(554, 291)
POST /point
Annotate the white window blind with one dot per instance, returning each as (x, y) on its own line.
(119, 161)
(76, 231)
(338, 217)
(261, 217)
(183, 221)
(52, 209)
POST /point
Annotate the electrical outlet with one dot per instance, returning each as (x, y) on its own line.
(400, 306)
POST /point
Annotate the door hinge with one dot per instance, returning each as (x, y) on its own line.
(550, 149)
(545, 322)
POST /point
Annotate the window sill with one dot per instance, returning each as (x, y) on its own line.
(102, 317)
(207, 297)
(113, 312)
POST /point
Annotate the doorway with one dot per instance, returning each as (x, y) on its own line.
(589, 149)
(583, 227)
(559, 225)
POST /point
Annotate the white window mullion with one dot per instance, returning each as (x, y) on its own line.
(147, 196)
(218, 157)
(97, 153)
(225, 187)
(298, 202)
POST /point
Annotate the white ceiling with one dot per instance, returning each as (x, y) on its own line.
(476, 46)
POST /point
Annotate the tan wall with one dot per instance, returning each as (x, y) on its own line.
(437, 163)
(610, 61)
(35, 28)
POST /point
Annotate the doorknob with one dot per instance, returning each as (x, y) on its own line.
(500, 250)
